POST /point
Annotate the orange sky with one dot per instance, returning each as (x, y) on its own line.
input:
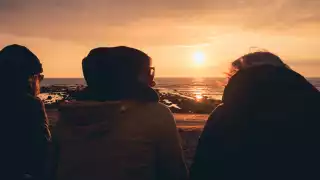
(62, 32)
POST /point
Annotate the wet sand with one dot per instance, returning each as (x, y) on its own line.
(190, 121)
(189, 126)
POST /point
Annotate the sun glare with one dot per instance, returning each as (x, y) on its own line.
(198, 97)
(198, 58)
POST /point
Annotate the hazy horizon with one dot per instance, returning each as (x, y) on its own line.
(183, 37)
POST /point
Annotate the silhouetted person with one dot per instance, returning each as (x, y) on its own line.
(24, 124)
(117, 129)
(266, 128)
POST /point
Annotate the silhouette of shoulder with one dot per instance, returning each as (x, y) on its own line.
(159, 111)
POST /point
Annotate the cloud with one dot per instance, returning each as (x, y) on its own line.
(144, 21)
(192, 45)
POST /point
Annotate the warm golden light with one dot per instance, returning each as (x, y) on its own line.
(199, 97)
(198, 58)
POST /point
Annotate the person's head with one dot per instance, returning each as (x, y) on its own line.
(118, 70)
(21, 69)
(262, 76)
(255, 59)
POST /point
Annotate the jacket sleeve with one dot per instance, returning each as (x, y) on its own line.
(40, 139)
(53, 158)
(170, 161)
(44, 123)
(209, 153)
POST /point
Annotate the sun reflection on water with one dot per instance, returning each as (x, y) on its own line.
(198, 97)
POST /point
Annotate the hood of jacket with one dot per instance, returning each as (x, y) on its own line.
(88, 119)
(140, 93)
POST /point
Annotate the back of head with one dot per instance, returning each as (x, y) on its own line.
(264, 76)
(268, 86)
(17, 64)
(117, 73)
(255, 59)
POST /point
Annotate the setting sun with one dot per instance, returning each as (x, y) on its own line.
(198, 58)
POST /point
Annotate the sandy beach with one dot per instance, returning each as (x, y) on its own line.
(190, 127)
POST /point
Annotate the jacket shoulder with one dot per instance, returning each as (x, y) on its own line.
(33, 102)
(216, 117)
(159, 113)
(158, 109)
(159, 106)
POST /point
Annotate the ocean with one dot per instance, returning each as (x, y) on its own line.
(191, 87)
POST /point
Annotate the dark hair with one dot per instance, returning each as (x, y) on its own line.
(255, 59)
(19, 60)
(115, 72)
(20, 63)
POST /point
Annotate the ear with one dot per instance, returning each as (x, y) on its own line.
(153, 83)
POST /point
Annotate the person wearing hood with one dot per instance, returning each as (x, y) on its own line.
(267, 126)
(117, 129)
(24, 124)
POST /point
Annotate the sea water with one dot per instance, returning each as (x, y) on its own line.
(191, 87)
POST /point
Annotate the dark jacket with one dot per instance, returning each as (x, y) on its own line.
(266, 128)
(24, 135)
(118, 140)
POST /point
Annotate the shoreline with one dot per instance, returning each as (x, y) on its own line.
(175, 101)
